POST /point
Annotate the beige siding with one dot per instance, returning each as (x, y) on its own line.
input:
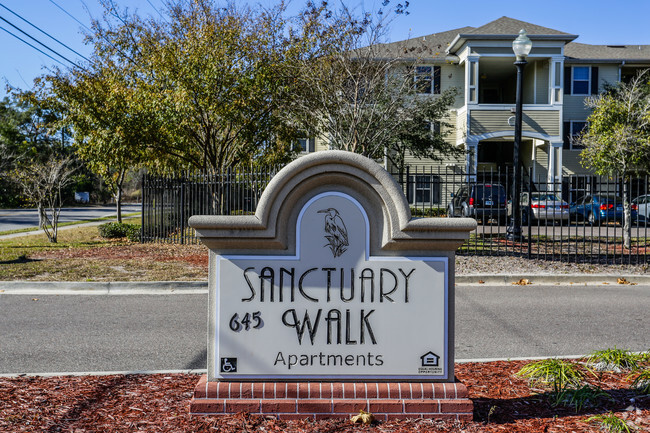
(485, 121)
(454, 76)
(426, 162)
(607, 74)
(574, 108)
(321, 144)
(541, 162)
(571, 163)
(541, 94)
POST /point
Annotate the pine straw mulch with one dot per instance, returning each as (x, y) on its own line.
(159, 403)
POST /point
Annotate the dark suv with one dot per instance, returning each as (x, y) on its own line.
(481, 201)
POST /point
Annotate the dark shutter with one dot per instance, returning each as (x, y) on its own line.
(436, 80)
(567, 80)
(567, 135)
(594, 80)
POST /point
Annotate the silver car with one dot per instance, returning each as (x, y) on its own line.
(545, 206)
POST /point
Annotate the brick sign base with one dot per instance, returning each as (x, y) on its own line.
(319, 400)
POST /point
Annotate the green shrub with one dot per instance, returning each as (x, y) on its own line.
(610, 423)
(579, 398)
(428, 212)
(120, 230)
(642, 382)
(614, 360)
(557, 373)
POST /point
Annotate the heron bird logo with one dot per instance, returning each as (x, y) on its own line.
(337, 234)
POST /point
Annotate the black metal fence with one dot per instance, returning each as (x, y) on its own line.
(573, 228)
(169, 201)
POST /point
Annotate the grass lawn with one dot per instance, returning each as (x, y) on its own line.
(82, 255)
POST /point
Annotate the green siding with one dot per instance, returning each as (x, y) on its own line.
(486, 121)
(571, 163)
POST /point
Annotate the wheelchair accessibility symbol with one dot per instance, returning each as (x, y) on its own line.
(228, 365)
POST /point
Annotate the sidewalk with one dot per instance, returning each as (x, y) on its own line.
(39, 231)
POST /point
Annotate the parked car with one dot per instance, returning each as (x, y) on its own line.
(599, 209)
(482, 201)
(545, 206)
(642, 203)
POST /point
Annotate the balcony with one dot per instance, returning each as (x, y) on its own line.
(488, 119)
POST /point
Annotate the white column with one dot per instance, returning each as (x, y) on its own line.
(471, 163)
(554, 177)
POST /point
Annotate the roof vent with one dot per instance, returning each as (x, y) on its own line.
(616, 46)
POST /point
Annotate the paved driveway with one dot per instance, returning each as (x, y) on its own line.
(14, 219)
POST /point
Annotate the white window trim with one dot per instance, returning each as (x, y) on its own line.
(573, 80)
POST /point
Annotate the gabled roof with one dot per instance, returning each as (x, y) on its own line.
(436, 46)
(511, 26)
(431, 46)
(508, 28)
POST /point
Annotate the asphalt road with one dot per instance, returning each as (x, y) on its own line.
(41, 334)
(14, 219)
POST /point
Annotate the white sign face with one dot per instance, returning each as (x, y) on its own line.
(331, 311)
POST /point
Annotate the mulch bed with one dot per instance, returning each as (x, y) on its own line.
(503, 402)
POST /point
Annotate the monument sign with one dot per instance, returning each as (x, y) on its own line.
(331, 281)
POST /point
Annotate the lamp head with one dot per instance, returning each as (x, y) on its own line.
(522, 45)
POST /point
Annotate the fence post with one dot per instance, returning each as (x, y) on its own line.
(182, 209)
(530, 210)
(142, 218)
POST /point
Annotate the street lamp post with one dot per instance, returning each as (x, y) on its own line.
(521, 47)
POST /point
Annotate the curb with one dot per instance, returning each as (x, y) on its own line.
(103, 288)
(201, 287)
(104, 373)
(551, 279)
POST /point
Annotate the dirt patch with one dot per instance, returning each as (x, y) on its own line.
(191, 254)
(160, 403)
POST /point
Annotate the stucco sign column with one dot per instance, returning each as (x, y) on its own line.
(330, 281)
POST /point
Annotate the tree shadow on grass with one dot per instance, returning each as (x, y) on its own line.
(504, 411)
(19, 260)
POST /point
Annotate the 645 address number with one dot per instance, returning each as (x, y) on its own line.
(246, 323)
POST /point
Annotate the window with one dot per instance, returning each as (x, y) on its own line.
(427, 79)
(423, 189)
(305, 145)
(572, 129)
(576, 129)
(581, 80)
(580, 83)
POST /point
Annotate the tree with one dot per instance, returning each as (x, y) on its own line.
(617, 140)
(205, 87)
(364, 100)
(109, 136)
(43, 183)
(27, 133)
(210, 80)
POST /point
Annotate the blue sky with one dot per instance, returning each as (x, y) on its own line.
(595, 21)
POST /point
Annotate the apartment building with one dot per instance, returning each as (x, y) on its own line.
(559, 75)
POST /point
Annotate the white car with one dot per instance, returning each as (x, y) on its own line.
(643, 209)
